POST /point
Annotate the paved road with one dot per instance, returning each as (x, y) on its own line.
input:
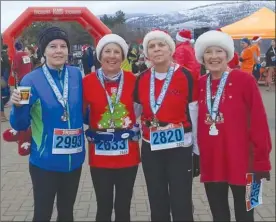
(17, 199)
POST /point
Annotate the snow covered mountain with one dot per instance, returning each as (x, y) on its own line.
(213, 16)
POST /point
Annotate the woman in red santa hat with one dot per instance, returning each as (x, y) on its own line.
(233, 132)
(166, 93)
(184, 52)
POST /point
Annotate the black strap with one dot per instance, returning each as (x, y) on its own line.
(189, 77)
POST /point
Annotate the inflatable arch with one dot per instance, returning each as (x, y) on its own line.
(82, 15)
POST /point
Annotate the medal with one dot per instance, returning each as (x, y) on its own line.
(213, 131)
(62, 99)
(156, 104)
(112, 105)
(64, 117)
(213, 109)
(154, 122)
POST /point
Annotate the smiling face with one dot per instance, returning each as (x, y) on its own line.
(111, 58)
(159, 52)
(215, 59)
(56, 53)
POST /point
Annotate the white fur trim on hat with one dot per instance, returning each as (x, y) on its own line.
(157, 34)
(182, 39)
(111, 38)
(257, 40)
(214, 38)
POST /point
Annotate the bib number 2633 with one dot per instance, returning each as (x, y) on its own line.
(112, 148)
(67, 141)
(166, 138)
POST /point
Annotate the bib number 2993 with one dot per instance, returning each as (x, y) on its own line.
(67, 141)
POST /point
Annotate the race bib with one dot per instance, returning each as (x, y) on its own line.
(253, 196)
(112, 148)
(67, 141)
(26, 59)
(273, 58)
(171, 136)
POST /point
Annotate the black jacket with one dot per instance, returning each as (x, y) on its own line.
(269, 57)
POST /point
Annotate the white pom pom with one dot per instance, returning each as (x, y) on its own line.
(192, 41)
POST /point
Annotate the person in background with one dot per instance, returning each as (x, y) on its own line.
(168, 95)
(55, 115)
(84, 60)
(90, 57)
(21, 64)
(129, 64)
(142, 60)
(108, 93)
(5, 73)
(233, 132)
(31, 53)
(246, 57)
(184, 53)
(255, 48)
(270, 57)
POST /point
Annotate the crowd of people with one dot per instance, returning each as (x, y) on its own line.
(190, 124)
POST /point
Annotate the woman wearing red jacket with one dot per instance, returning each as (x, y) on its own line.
(113, 133)
(233, 132)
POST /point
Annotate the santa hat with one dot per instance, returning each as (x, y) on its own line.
(184, 36)
(158, 34)
(256, 39)
(214, 38)
(84, 47)
(111, 38)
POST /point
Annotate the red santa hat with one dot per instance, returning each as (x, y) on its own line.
(214, 38)
(158, 34)
(256, 39)
(184, 36)
(84, 47)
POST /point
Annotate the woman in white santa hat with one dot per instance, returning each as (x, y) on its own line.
(166, 93)
(233, 132)
(113, 133)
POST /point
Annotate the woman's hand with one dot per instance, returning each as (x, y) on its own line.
(16, 98)
(262, 175)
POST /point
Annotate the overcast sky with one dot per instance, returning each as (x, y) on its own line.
(10, 10)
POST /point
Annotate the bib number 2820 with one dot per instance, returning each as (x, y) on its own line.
(170, 136)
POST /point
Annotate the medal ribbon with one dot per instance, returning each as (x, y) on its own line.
(119, 92)
(62, 99)
(155, 105)
(213, 110)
